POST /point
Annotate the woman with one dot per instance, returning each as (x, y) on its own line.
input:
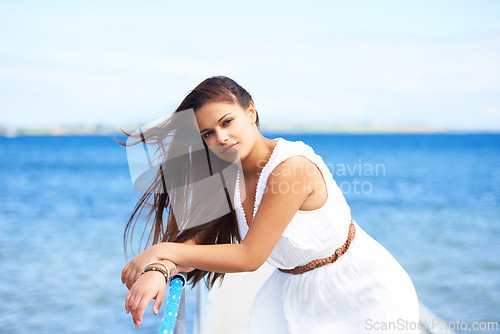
(330, 277)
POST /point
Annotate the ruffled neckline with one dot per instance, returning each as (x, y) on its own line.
(264, 169)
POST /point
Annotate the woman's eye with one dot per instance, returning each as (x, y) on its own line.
(208, 133)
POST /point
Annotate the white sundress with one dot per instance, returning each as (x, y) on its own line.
(365, 291)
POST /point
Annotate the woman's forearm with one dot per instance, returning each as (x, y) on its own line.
(224, 258)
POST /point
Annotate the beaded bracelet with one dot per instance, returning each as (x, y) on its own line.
(157, 268)
(174, 270)
(163, 264)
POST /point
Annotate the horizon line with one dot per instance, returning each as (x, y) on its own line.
(281, 128)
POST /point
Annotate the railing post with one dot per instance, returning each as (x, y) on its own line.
(170, 316)
(201, 325)
(180, 324)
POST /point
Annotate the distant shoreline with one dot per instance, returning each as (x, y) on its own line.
(282, 128)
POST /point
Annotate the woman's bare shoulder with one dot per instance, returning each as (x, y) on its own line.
(297, 169)
(298, 165)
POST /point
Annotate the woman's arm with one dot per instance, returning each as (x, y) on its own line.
(287, 188)
(175, 268)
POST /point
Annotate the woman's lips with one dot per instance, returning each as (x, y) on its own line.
(230, 148)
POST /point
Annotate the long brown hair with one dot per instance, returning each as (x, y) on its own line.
(153, 203)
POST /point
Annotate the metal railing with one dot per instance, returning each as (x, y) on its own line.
(174, 319)
(174, 316)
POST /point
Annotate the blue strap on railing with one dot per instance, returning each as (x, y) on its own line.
(174, 297)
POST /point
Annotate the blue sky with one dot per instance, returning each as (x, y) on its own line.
(433, 63)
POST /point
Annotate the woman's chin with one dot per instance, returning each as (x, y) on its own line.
(231, 156)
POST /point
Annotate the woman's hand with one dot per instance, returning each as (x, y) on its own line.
(132, 271)
(150, 285)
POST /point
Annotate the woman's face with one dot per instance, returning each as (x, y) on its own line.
(227, 128)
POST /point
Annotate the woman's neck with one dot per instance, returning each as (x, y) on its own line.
(257, 158)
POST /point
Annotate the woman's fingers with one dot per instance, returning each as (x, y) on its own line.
(158, 300)
(132, 299)
(127, 300)
(129, 283)
(124, 272)
(149, 286)
(138, 307)
(131, 276)
(132, 271)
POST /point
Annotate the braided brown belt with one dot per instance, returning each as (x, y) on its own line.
(321, 262)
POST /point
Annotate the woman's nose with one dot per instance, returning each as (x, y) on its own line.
(222, 137)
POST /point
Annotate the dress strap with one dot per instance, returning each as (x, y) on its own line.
(283, 150)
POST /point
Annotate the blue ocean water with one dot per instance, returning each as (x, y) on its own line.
(432, 200)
